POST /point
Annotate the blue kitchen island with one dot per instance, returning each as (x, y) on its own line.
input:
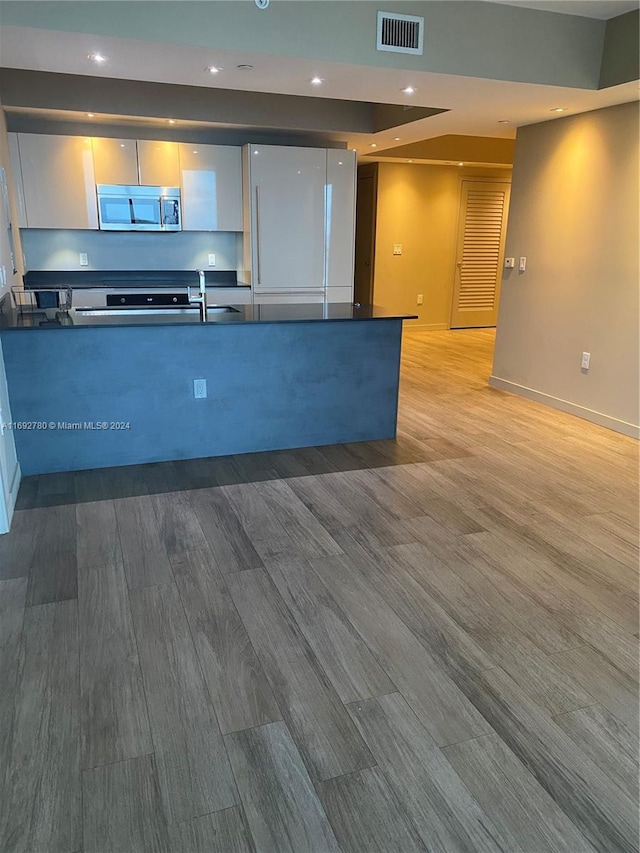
(100, 389)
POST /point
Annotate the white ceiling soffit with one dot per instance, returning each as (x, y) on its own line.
(476, 105)
(600, 9)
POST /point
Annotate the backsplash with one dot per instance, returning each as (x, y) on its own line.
(52, 249)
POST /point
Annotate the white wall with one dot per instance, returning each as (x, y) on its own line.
(9, 469)
(574, 215)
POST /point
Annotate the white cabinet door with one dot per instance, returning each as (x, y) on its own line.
(211, 187)
(340, 225)
(58, 181)
(115, 161)
(16, 178)
(158, 163)
(287, 190)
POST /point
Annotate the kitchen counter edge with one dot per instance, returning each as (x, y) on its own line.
(12, 320)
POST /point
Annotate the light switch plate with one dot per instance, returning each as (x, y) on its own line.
(586, 360)
(397, 248)
(522, 265)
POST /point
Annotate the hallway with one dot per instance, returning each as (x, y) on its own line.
(421, 645)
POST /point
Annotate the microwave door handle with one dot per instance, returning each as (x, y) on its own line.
(132, 212)
(161, 216)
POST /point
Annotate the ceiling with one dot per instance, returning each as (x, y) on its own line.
(600, 9)
(473, 106)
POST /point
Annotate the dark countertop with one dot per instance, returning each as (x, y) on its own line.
(85, 279)
(11, 320)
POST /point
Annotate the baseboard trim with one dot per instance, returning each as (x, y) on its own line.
(426, 327)
(565, 406)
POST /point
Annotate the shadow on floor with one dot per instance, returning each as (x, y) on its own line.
(128, 481)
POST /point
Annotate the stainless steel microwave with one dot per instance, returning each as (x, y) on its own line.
(123, 208)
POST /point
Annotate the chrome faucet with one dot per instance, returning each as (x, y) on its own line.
(202, 298)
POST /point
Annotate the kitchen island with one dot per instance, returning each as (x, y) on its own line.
(99, 389)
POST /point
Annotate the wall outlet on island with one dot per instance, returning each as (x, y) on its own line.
(419, 299)
(84, 259)
(586, 361)
(212, 260)
(199, 388)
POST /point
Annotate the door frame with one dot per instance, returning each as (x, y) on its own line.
(368, 170)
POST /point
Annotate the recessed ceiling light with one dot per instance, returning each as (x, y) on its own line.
(409, 161)
(354, 149)
(558, 109)
(339, 162)
(97, 57)
(171, 120)
(214, 69)
(91, 115)
(244, 67)
(374, 145)
(195, 152)
(460, 164)
(122, 145)
(408, 90)
(317, 80)
(504, 121)
(396, 139)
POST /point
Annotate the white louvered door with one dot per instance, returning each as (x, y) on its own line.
(479, 255)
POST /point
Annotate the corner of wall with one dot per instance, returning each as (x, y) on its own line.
(574, 216)
(621, 50)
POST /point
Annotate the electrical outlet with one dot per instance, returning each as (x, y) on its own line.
(586, 360)
(212, 260)
(509, 263)
(522, 265)
(84, 259)
(397, 248)
(199, 388)
(419, 299)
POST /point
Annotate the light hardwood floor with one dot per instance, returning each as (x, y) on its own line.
(427, 644)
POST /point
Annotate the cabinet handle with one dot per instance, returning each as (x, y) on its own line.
(258, 232)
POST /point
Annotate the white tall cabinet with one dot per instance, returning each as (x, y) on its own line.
(299, 222)
(340, 234)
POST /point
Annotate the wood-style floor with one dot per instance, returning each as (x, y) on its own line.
(420, 645)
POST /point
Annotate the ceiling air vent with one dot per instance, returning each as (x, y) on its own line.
(400, 33)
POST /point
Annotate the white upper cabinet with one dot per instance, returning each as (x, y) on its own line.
(16, 174)
(341, 218)
(211, 187)
(115, 161)
(287, 201)
(58, 181)
(158, 163)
